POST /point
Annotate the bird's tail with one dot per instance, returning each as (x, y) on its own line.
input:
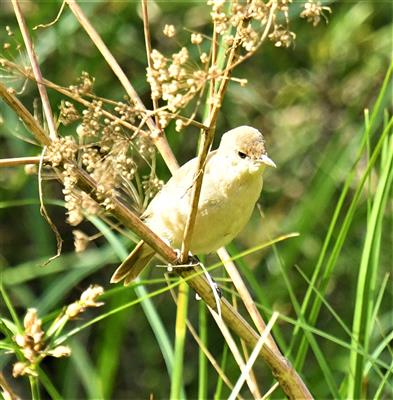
(133, 265)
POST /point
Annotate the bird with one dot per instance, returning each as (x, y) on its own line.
(231, 186)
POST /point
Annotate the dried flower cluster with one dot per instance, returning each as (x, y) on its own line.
(174, 80)
(282, 37)
(313, 11)
(68, 113)
(88, 299)
(178, 79)
(152, 185)
(241, 22)
(106, 145)
(84, 84)
(34, 343)
(33, 346)
(62, 150)
(77, 202)
(81, 240)
(169, 30)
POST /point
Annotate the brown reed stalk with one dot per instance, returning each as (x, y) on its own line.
(288, 378)
(13, 162)
(36, 70)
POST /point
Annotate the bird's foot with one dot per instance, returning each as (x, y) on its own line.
(192, 261)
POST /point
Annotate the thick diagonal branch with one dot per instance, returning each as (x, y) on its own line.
(289, 380)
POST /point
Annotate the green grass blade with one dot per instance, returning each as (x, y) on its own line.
(203, 362)
(327, 372)
(379, 393)
(383, 345)
(109, 343)
(302, 348)
(147, 305)
(367, 282)
(180, 338)
(10, 307)
(317, 271)
(220, 383)
(86, 371)
(48, 385)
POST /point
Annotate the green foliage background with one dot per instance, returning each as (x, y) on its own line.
(309, 101)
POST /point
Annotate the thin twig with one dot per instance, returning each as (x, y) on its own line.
(157, 135)
(252, 309)
(36, 69)
(214, 47)
(24, 114)
(245, 349)
(207, 140)
(44, 213)
(202, 346)
(54, 21)
(257, 349)
(270, 391)
(13, 162)
(236, 353)
(146, 31)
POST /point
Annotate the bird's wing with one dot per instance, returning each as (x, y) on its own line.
(182, 180)
(133, 265)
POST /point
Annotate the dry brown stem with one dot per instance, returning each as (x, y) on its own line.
(206, 142)
(8, 392)
(146, 31)
(251, 381)
(245, 295)
(36, 69)
(205, 350)
(13, 162)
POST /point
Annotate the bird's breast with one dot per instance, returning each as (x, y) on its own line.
(224, 212)
(226, 203)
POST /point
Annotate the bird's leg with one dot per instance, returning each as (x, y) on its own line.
(193, 261)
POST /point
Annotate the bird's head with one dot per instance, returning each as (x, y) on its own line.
(245, 146)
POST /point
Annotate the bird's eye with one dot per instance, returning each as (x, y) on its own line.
(242, 155)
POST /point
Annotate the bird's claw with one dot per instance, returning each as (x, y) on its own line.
(192, 261)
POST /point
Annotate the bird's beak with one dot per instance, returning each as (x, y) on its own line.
(267, 161)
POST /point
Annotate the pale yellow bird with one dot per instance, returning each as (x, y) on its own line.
(231, 186)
